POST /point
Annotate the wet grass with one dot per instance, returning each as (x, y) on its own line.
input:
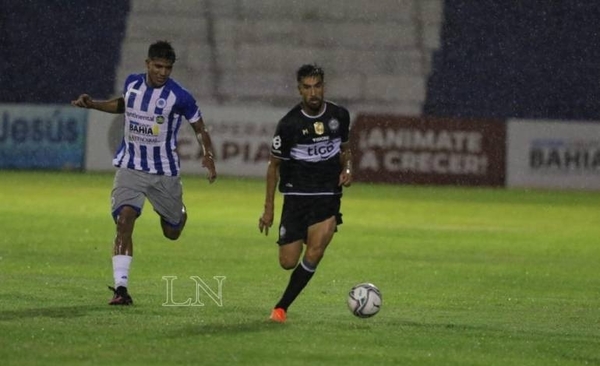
(469, 276)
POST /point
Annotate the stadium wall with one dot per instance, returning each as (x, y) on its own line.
(386, 148)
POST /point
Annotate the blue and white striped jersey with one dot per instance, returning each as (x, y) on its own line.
(152, 121)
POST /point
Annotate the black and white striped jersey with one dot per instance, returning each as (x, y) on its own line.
(309, 148)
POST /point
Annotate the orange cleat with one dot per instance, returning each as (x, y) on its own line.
(278, 315)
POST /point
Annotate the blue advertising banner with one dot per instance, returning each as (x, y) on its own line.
(42, 136)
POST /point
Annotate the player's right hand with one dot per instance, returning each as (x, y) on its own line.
(209, 164)
(84, 101)
(265, 222)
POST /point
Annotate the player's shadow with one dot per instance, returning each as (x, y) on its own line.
(73, 311)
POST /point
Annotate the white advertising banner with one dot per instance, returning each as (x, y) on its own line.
(552, 154)
(241, 139)
(103, 136)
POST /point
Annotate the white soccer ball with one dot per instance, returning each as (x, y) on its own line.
(364, 300)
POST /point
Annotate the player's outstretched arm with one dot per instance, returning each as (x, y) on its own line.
(115, 105)
(208, 160)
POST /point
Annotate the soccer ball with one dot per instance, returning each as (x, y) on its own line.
(364, 300)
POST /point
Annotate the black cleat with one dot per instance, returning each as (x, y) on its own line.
(121, 296)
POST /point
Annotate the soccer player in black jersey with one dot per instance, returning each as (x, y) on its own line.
(311, 160)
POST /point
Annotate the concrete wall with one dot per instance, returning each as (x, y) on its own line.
(376, 55)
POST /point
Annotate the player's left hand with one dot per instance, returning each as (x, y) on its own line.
(209, 164)
(345, 178)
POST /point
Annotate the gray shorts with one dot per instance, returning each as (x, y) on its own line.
(132, 187)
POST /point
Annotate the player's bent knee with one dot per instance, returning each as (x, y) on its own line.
(287, 265)
(172, 234)
(289, 254)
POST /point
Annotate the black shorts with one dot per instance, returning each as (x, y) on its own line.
(300, 212)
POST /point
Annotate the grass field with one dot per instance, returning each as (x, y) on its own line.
(469, 276)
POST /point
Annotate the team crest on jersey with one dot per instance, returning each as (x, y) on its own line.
(161, 103)
(319, 128)
(160, 120)
(333, 124)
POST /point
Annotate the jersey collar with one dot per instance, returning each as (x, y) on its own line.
(318, 115)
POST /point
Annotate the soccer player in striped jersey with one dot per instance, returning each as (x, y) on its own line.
(311, 161)
(153, 105)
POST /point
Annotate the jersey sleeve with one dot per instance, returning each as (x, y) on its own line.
(344, 125)
(127, 82)
(189, 107)
(280, 145)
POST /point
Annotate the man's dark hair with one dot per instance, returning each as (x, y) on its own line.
(309, 70)
(161, 49)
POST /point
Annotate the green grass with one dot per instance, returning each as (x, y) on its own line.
(469, 276)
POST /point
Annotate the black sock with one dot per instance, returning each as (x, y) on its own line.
(298, 280)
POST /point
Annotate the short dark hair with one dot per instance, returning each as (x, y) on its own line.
(161, 49)
(309, 70)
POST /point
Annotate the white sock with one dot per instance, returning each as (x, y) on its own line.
(121, 269)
